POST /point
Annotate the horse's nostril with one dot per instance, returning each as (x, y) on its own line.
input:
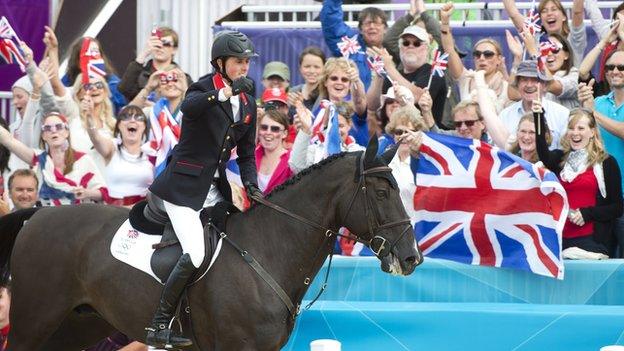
(411, 260)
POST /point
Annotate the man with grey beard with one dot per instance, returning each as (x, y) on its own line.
(413, 49)
(531, 84)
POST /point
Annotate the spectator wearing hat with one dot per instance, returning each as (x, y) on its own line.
(418, 16)
(394, 98)
(276, 74)
(372, 25)
(531, 84)
(414, 74)
(275, 99)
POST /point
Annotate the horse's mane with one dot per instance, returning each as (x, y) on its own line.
(312, 169)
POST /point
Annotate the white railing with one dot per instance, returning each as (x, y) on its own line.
(6, 108)
(469, 11)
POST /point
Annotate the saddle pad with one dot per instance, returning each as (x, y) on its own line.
(135, 249)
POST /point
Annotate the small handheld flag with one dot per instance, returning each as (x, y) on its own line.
(376, 65)
(10, 52)
(349, 46)
(91, 62)
(438, 66)
(533, 22)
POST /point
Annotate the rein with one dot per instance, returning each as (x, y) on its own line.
(378, 244)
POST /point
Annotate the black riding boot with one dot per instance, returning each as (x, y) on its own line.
(158, 334)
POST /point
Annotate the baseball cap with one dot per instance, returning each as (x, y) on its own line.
(274, 94)
(417, 31)
(276, 68)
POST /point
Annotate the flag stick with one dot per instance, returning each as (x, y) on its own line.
(430, 78)
(539, 116)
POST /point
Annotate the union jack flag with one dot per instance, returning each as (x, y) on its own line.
(479, 205)
(533, 22)
(349, 46)
(10, 52)
(546, 47)
(91, 62)
(164, 133)
(440, 61)
(376, 64)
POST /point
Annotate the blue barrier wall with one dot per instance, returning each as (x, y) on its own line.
(450, 306)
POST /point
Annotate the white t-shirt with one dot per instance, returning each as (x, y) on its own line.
(128, 175)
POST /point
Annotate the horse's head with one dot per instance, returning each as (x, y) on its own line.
(376, 214)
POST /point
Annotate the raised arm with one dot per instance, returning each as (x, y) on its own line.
(104, 145)
(578, 15)
(16, 147)
(333, 25)
(550, 159)
(590, 59)
(599, 23)
(358, 91)
(493, 123)
(516, 17)
(455, 65)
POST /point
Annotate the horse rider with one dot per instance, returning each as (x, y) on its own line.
(218, 114)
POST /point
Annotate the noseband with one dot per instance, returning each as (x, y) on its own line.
(378, 244)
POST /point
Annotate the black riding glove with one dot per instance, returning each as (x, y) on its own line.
(253, 191)
(242, 85)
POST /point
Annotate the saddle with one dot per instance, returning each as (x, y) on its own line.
(167, 252)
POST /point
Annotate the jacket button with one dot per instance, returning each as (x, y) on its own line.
(227, 137)
(223, 150)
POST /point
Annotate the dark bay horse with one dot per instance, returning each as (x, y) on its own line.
(60, 262)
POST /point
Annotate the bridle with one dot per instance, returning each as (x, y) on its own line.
(377, 243)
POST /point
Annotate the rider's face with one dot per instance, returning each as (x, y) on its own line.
(236, 67)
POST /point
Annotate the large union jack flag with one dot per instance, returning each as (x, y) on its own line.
(164, 134)
(479, 205)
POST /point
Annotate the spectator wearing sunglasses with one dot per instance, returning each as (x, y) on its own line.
(532, 85)
(404, 119)
(413, 49)
(609, 115)
(339, 81)
(372, 25)
(467, 119)
(162, 45)
(396, 97)
(90, 108)
(73, 67)
(487, 57)
(67, 176)
(128, 170)
(276, 99)
(271, 155)
(554, 19)
(557, 62)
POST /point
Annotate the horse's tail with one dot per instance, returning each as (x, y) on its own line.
(10, 225)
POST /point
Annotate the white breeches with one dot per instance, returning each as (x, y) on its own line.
(189, 230)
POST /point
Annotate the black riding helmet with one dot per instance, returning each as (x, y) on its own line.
(231, 43)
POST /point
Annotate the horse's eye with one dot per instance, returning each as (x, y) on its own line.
(381, 194)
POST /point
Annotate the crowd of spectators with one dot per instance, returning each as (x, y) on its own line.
(72, 142)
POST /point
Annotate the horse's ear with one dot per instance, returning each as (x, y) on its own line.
(388, 155)
(371, 150)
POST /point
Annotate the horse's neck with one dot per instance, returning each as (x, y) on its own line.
(289, 249)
